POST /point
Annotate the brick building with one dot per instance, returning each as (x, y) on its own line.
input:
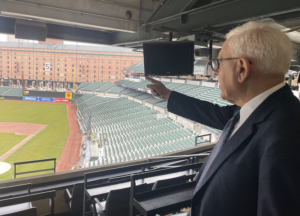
(23, 61)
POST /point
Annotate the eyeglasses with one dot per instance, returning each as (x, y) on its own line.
(215, 63)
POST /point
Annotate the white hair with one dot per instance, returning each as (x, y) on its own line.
(264, 44)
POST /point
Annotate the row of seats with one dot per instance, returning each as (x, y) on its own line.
(150, 190)
(13, 92)
(116, 90)
(82, 85)
(105, 87)
(3, 89)
(127, 130)
(205, 93)
(93, 86)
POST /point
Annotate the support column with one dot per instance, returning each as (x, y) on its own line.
(66, 86)
(57, 85)
(25, 84)
(18, 83)
(1, 82)
(9, 83)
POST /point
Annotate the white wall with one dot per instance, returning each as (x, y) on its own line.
(193, 82)
(165, 80)
(99, 93)
(209, 84)
(178, 81)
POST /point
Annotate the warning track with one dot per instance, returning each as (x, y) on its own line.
(73, 144)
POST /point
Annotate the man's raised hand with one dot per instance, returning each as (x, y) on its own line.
(158, 89)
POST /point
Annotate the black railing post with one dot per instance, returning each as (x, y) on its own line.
(196, 139)
(55, 165)
(34, 161)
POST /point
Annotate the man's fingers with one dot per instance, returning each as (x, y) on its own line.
(151, 80)
(150, 86)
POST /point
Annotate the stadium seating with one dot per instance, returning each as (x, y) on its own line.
(93, 86)
(107, 86)
(84, 98)
(116, 90)
(93, 101)
(128, 91)
(3, 89)
(13, 92)
(128, 131)
(82, 85)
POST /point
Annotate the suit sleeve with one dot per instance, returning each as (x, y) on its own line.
(279, 177)
(200, 111)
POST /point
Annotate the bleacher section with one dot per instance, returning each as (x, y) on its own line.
(116, 90)
(13, 92)
(106, 87)
(84, 98)
(128, 130)
(93, 86)
(3, 89)
(136, 92)
(128, 91)
(82, 85)
(93, 101)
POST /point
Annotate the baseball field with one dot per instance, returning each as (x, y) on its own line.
(32, 131)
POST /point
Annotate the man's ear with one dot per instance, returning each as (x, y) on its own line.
(243, 70)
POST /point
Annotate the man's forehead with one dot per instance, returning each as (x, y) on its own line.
(224, 51)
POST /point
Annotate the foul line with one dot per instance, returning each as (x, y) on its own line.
(16, 147)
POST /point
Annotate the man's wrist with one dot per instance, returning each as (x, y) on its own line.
(168, 94)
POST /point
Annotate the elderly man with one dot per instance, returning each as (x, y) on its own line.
(254, 169)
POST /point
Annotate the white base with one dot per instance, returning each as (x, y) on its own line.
(4, 167)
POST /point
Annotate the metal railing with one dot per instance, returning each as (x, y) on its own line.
(35, 171)
(196, 139)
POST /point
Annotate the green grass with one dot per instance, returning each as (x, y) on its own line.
(8, 141)
(48, 143)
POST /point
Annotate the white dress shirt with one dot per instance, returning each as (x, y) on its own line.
(252, 104)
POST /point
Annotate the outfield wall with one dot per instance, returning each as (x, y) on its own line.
(48, 94)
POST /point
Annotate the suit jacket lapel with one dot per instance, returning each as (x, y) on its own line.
(261, 112)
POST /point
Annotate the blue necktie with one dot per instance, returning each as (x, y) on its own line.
(222, 141)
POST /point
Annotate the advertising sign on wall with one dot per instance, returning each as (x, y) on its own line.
(68, 95)
(1, 98)
(44, 99)
(61, 100)
(27, 98)
(26, 93)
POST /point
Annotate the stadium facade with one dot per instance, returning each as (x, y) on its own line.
(23, 63)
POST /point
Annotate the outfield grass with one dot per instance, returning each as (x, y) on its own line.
(48, 143)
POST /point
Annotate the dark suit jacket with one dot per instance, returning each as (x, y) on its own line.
(257, 172)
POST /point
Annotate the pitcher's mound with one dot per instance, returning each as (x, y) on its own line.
(4, 167)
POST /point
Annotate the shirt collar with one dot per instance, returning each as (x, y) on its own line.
(251, 105)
